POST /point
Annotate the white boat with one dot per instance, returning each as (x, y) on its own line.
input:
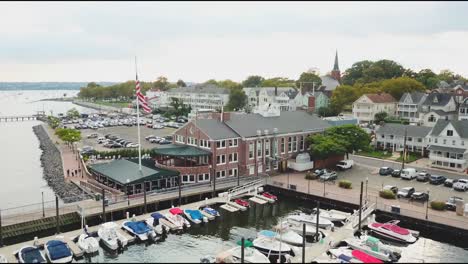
(140, 229)
(88, 243)
(3, 259)
(374, 247)
(194, 216)
(297, 227)
(30, 254)
(58, 251)
(390, 230)
(287, 236)
(273, 248)
(176, 211)
(111, 238)
(159, 223)
(233, 255)
(333, 215)
(178, 221)
(311, 219)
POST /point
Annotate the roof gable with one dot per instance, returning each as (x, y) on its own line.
(381, 98)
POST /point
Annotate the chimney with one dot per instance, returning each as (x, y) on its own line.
(226, 116)
(276, 90)
(311, 103)
(222, 113)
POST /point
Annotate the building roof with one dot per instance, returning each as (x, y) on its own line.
(122, 169)
(381, 98)
(447, 149)
(181, 151)
(200, 88)
(329, 83)
(335, 66)
(215, 129)
(416, 97)
(399, 130)
(246, 125)
(437, 99)
(269, 90)
(444, 113)
(461, 126)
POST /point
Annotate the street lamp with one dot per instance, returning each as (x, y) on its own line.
(367, 181)
(427, 203)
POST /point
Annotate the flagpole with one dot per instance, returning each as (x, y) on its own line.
(138, 121)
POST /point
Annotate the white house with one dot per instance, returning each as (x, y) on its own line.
(392, 137)
(157, 98)
(409, 106)
(365, 108)
(448, 141)
(437, 106)
(201, 96)
(283, 97)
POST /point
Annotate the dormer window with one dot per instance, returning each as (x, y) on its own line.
(449, 133)
(435, 99)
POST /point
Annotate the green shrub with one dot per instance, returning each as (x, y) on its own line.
(310, 176)
(345, 184)
(438, 205)
(387, 194)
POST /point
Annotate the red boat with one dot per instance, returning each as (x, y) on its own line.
(269, 195)
(365, 257)
(176, 211)
(242, 202)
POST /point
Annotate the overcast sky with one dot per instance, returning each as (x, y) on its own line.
(197, 41)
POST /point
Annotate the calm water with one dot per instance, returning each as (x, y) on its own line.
(21, 170)
(223, 233)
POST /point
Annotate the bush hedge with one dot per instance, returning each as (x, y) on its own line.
(311, 176)
(345, 184)
(438, 205)
(387, 194)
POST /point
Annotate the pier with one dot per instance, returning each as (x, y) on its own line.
(18, 118)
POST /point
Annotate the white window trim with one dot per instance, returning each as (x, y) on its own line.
(232, 155)
(220, 145)
(220, 159)
(251, 143)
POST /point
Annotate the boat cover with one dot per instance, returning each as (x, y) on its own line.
(364, 257)
(138, 227)
(267, 233)
(195, 214)
(32, 255)
(157, 216)
(247, 243)
(242, 202)
(345, 258)
(58, 249)
(210, 210)
(176, 211)
(392, 227)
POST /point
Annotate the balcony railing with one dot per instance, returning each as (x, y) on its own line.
(445, 159)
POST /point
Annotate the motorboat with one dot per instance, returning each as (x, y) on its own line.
(374, 247)
(270, 196)
(332, 215)
(233, 255)
(353, 255)
(273, 248)
(159, 223)
(176, 213)
(3, 259)
(110, 237)
(194, 215)
(287, 236)
(211, 211)
(178, 221)
(58, 251)
(390, 230)
(311, 219)
(242, 202)
(298, 228)
(30, 254)
(88, 243)
(140, 229)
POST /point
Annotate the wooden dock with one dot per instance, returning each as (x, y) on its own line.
(261, 197)
(256, 200)
(237, 206)
(229, 208)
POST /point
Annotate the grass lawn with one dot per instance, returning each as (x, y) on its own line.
(380, 154)
(411, 157)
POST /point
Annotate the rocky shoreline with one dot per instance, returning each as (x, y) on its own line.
(51, 161)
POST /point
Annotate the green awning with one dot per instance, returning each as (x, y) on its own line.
(127, 171)
(180, 151)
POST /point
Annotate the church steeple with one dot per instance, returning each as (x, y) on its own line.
(336, 74)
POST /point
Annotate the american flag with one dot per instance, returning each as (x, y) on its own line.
(141, 100)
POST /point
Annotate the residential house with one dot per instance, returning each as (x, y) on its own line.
(392, 137)
(463, 110)
(319, 99)
(437, 106)
(366, 106)
(283, 97)
(157, 98)
(410, 106)
(448, 141)
(203, 96)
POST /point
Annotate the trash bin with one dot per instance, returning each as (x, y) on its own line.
(97, 196)
(106, 202)
(395, 209)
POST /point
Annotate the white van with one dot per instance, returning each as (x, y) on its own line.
(409, 173)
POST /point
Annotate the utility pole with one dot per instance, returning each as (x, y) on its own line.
(404, 150)
(360, 205)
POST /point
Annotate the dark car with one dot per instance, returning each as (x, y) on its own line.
(450, 182)
(319, 172)
(396, 173)
(164, 142)
(420, 197)
(405, 192)
(384, 171)
(437, 179)
(451, 203)
(115, 145)
(168, 137)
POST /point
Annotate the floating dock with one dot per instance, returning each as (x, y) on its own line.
(240, 207)
(261, 197)
(229, 208)
(256, 200)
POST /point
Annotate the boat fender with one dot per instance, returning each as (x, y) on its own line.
(205, 219)
(119, 244)
(152, 236)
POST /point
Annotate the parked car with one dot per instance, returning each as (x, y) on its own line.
(405, 192)
(101, 140)
(451, 203)
(154, 140)
(93, 135)
(115, 145)
(423, 176)
(329, 176)
(461, 185)
(420, 197)
(408, 174)
(437, 179)
(345, 164)
(320, 172)
(392, 188)
(450, 182)
(149, 137)
(396, 173)
(132, 145)
(384, 171)
(164, 142)
(168, 137)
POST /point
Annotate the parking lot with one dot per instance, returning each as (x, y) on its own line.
(128, 133)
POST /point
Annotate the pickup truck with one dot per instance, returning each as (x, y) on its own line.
(345, 164)
(461, 185)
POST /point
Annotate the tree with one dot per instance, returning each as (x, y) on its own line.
(278, 82)
(181, 83)
(253, 81)
(397, 87)
(352, 137)
(379, 117)
(229, 84)
(356, 71)
(322, 146)
(428, 78)
(342, 96)
(68, 135)
(326, 111)
(211, 81)
(309, 78)
(73, 113)
(369, 71)
(237, 100)
(446, 75)
(161, 83)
